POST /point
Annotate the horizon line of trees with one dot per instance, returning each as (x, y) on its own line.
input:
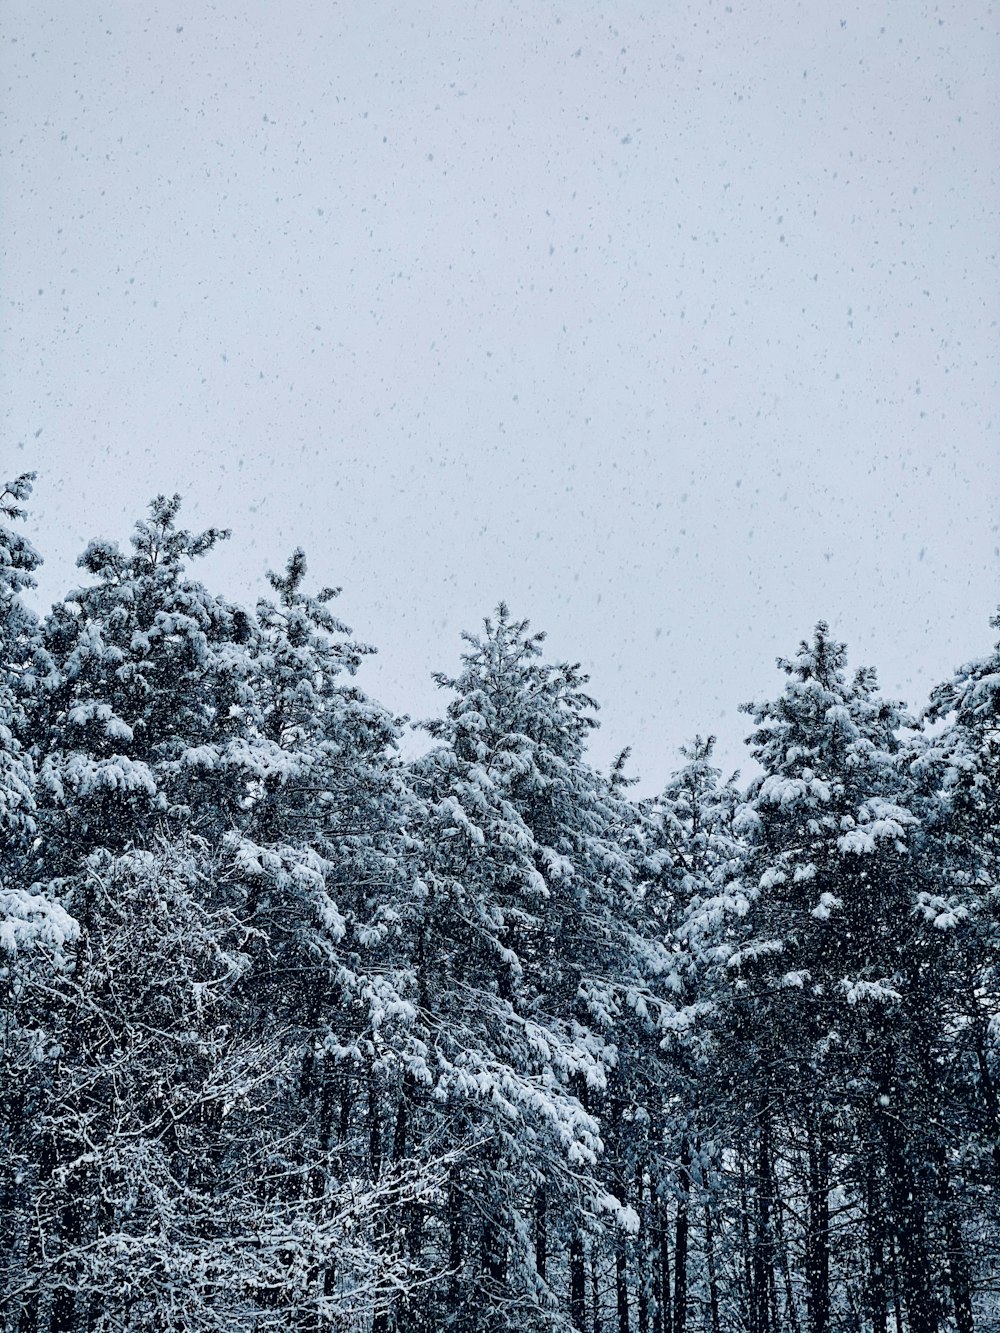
(297, 1034)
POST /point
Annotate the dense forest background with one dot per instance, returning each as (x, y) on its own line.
(299, 1035)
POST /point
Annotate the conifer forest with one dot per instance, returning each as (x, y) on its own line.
(302, 1035)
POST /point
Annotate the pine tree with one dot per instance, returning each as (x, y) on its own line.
(145, 682)
(956, 766)
(36, 931)
(25, 917)
(830, 977)
(690, 854)
(323, 857)
(514, 953)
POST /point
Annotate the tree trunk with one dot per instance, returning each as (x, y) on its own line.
(713, 1281)
(346, 1102)
(493, 1241)
(641, 1283)
(663, 1306)
(897, 1303)
(791, 1310)
(911, 1232)
(541, 1232)
(764, 1284)
(877, 1290)
(991, 1103)
(751, 1302)
(621, 1283)
(324, 1275)
(374, 1129)
(959, 1277)
(621, 1250)
(577, 1282)
(70, 1230)
(402, 1119)
(11, 1194)
(456, 1240)
(494, 1253)
(28, 1319)
(818, 1225)
(380, 1324)
(595, 1292)
(106, 1188)
(681, 1228)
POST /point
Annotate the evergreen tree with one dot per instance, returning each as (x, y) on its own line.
(25, 917)
(146, 667)
(691, 853)
(832, 979)
(515, 957)
(323, 858)
(956, 766)
(36, 932)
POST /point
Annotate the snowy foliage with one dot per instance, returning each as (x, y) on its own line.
(297, 1035)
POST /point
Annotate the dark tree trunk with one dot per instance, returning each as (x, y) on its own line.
(541, 1232)
(621, 1284)
(875, 1222)
(991, 1102)
(323, 1276)
(11, 1195)
(897, 1301)
(106, 1191)
(621, 1250)
(326, 1108)
(494, 1252)
(402, 1120)
(791, 1310)
(765, 1287)
(456, 1240)
(380, 1324)
(663, 1306)
(493, 1241)
(959, 1276)
(751, 1301)
(346, 1102)
(374, 1129)
(681, 1229)
(818, 1225)
(905, 1193)
(595, 1293)
(577, 1282)
(28, 1319)
(641, 1282)
(713, 1280)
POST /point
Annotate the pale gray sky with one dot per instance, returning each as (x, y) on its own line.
(674, 325)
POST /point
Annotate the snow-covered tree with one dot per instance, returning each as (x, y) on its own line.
(515, 963)
(26, 917)
(323, 858)
(36, 932)
(146, 673)
(832, 982)
(688, 854)
(166, 1192)
(955, 765)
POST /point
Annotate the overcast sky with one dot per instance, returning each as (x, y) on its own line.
(673, 324)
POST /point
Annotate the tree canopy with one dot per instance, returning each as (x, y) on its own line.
(299, 1034)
